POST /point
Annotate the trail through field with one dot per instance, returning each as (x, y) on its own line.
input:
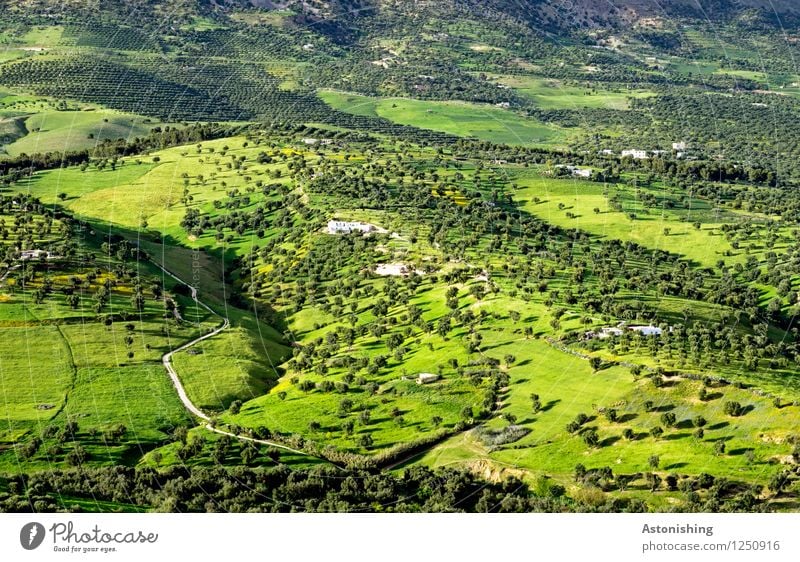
(166, 359)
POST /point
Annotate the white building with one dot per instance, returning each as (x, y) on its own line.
(346, 227)
(425, 378)
(679, 146)
(635, 154)
(647, 330)
(575, 171)
(33, 255)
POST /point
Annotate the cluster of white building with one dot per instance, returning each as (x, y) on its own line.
(309, 140)
(347, 227)
(679, 148)
(617, 331)
(575, 171)
(26, 255)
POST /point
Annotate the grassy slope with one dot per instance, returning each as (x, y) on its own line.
(485, 122)
(567, 386)
(53, 131)
(36, 372)
(554, 94)
(704, 246)
(139, 190)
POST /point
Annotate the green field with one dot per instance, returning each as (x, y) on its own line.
(54, 131)
(458, 118)
(555, 94)
(567, 387)
(704, 246)
(36, 373)
(234, 365)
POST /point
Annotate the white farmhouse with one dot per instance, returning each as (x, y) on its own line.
(575, 171)
(636, 154)
(426, 378)
(679, 146)
(647, 330)
(33, 255)
(346, 227)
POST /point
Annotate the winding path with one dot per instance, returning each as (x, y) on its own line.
(166, 359)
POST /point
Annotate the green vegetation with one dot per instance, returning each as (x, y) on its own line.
(457, 118)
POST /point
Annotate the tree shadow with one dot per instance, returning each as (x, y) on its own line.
(549, 406)
(675, 436)
(609, 441)
(740, 450)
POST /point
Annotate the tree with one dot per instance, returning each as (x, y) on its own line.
(778, 482)
(719, 447)
(733, 408)
(595, 363)
(591, 438)
(62, 196)
(653, 480)
(657, 431)
(345, 405)
(137, 301)
(654, 461)
(77, 456)
(235, 407)
(668, 419)
(699, 421)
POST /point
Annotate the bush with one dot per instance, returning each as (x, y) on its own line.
(733, 408)
(496, 437)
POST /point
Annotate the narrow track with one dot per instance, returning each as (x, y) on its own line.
(166, 359)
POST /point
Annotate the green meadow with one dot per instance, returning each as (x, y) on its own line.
(58, 131)
(485, 122)
(584, 205)
(567, 386)
(556, 94)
